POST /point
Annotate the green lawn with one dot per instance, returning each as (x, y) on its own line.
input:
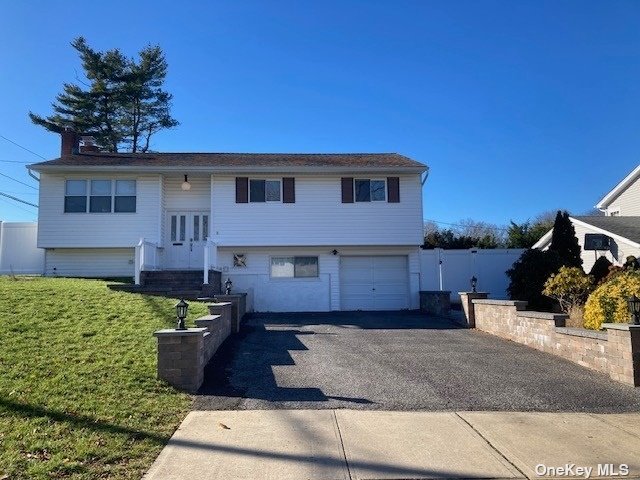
(78, 391)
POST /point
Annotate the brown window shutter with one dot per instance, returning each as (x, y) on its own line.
(347, 189)
(242, 189)
(288, 190)
(393, 189)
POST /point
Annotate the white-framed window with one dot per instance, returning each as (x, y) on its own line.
(75, 196)
(370, 189)
(294, 267)
(261, 190)
(100, 199)
(100, 196)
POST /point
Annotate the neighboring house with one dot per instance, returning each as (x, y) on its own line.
(300, 232)
(618, 230)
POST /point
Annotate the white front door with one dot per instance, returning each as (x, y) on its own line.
(187, 233)
(374, 283)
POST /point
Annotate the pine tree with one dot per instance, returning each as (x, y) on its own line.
(123, 104)
(565, 242)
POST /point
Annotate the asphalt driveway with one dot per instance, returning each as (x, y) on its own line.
(395, 361)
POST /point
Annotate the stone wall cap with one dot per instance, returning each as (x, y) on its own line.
(230, 295)
(447, 292)
(620, 326)
(582, 332)
(504, 303)
(473, 293)
(209, 317)
(219, 304)
(542, 315)
(172, 332)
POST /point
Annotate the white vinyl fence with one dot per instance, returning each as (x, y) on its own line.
(452, 270)
(18, 251)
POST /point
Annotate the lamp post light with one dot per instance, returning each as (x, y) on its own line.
(227, 286)
(474, 284)
(634, 310)
(181, 314)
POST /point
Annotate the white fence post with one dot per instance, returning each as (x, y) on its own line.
(206, 263)
(138, 261)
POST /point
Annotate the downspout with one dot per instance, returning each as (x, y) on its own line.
(32, 175)
(426, 175)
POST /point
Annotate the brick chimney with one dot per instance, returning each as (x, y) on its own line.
(88, 144)
(69, 144)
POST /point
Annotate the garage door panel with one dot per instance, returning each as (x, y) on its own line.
(374, 283)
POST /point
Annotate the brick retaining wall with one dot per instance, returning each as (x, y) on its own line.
(615, 351)
(183, 354)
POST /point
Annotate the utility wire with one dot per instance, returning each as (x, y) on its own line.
(17, 206)
(14, 161)
(18, 199)
(16, 180)
(20, 146)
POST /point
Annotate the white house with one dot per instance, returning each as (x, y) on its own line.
(615, 235)
(301, 232)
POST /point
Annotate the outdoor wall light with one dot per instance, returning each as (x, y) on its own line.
(334, 251)
(181, 313)
(474, 284)
(634, 310)
(186, 185)
(227, 286)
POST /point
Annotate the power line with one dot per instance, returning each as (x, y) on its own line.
(16, 180)
(15, 161)
(18, 206)
(18, 199)
(20, 146)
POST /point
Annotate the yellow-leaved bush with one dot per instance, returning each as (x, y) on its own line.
(608, 302)
(570, 287)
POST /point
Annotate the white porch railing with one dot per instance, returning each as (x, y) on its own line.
(147, 258)
(210, 258)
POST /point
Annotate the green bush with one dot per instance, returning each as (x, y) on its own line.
(528, 275)
(570, 287)
(600, 269)
(608, 302)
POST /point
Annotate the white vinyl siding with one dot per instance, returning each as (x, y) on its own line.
(318, 216)
(57, 229)
(617, 255)
(197, 198)
(321, 293)
(89, 262)
(627, 204)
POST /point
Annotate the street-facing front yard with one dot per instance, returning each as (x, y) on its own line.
(78, 393)
(396, 361)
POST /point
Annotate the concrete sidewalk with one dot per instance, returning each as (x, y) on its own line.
(355, 444)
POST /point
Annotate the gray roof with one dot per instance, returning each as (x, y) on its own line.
(627, 227)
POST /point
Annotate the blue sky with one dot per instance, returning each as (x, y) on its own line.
(517, 107)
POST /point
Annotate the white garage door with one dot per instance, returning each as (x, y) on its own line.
(374, 283)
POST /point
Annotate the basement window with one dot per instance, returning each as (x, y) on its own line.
(294, 267)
